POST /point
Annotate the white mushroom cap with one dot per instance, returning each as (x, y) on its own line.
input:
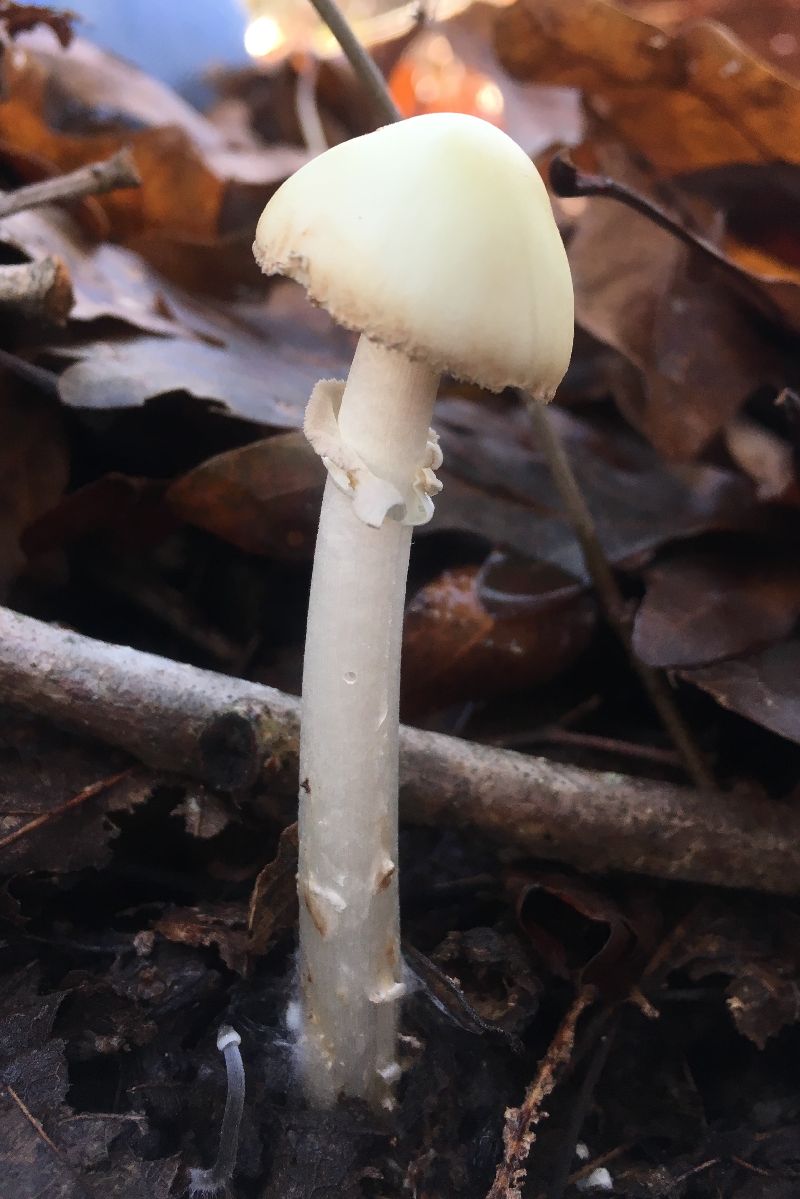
(434, 236)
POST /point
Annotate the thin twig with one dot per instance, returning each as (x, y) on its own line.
(91, 180)
(360, 60)
(54, 813)
(236, 735)
(46, 381)
(518, 1134)
(307, 108)
(695, 1170)
(610, 596)
(37, 1127)
(567, 180)
(35, 1124)
(552, 734)
(604, 1033)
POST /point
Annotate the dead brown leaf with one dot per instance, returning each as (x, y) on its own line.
(760, 958)
(499, 486)
(765, 27)
(260, 362)
(745, 243)
(108, 281)
(682, 102)
(488, 631)
(700, 607)
(641, 291)
(221, 925)
(273, 902)
(178, 190)
(263, 498)
(34, 470)
(130, 508)
(581, 932)
(195, 187)
(40, 769)
(764, 686)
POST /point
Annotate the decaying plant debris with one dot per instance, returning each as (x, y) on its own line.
(155, 493)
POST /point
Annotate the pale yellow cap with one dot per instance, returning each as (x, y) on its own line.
(434, 236)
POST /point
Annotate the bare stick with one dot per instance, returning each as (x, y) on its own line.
(610, 596)
(53, 813)
(35, 1124)
(307, 109)
(360, 60)
(40, 289)
(233, 734)
(518, 1134)
(91, 180)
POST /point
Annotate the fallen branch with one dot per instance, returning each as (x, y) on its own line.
(225, 731)
(91, 180)
(518, 1134)
(39, 289)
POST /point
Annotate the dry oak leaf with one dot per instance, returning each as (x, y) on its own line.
(179, 192)
(220, 925)
(263, 498)
(703, 607)
(460, 643)
(683, 102)
(764, 26)
(34, 471)
(756, 947)
(195, 185)
(107, 280)
(260, 361)
(643, 292)
(500, 487)
(763, 686)
(273, 902)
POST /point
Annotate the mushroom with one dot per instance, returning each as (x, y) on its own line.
(215, 1180)
(433, 239)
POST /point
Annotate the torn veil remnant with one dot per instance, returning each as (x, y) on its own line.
(434, 239)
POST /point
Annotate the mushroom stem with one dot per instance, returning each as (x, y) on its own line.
(350, 969)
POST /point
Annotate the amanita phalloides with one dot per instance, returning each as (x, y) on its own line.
(434, 239)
